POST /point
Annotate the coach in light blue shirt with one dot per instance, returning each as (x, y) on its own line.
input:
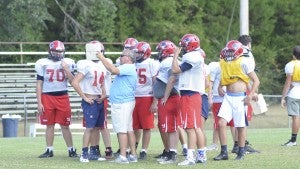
(122, 102)
(123, 86)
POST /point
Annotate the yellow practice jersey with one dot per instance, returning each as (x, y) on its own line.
(296, 73)
(232, 71)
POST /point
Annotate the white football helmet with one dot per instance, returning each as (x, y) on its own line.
(92, 48)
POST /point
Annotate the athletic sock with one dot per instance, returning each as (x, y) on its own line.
(190, 154)
(49, 148)
(108, 149)
(294, 138)
(224, 148)
(235, 143)
(71, 149)
(85, 149)
(174, 150)
(241, 150)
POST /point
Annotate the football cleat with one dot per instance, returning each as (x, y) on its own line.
(47, 154)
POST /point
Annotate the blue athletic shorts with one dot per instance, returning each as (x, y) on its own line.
(93, 114)
(205, 106)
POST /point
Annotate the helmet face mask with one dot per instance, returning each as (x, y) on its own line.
(56, 50)
(142, 51)
(159, 55)
(165, 49)
(138, 56)
(229, 55)
(57, 55)
(232, 51)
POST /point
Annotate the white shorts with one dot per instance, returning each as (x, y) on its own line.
(233, 107)
(121, 116)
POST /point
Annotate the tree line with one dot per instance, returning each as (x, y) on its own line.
(274, 27)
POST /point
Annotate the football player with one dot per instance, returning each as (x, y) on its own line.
(146, 106)
(89, 84)
(191, 85)
(53, 75)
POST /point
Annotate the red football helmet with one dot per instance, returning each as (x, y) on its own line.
(189, 42)
(222, 53)
(142, 51)
(234, 49)
(56, 50)
(165, 49)
(129, 43)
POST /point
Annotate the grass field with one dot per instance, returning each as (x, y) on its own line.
(22, 153)
(266, 133)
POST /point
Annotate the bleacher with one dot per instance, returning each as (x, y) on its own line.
(17, 92)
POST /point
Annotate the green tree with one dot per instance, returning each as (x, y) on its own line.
(81, 21)
(218, 26)
(261, 23)
(21, 21)
(156, 20)
(286, 35)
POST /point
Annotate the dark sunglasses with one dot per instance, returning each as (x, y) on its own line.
(123, 55)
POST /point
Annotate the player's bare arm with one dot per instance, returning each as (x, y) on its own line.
(208, 86)
(39, 85)
(175, 66)
(75, 83)
(154, 107)
(66, 68)
(110, 67)
(254, 88)
(169, 87)
(286, 88)
(221, 91)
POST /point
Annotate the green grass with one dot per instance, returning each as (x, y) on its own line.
(22, 152)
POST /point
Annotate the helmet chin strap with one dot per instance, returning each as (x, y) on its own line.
(54, 58)
(140, 60)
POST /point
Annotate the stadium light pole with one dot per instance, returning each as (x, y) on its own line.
(244, 17)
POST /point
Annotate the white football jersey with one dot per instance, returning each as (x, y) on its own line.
(94, 76)
(295, 90)
(55, 79)
(146, 70)
(248, 53)
(194, 78)
(165, 71)
(215, 77)
(108, 78)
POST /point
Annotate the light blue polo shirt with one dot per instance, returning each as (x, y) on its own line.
(124, 84)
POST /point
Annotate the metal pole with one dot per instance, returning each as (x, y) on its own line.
(25, 115)
(21, 57)
(244, 17)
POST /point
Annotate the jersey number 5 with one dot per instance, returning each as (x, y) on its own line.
(142, 77)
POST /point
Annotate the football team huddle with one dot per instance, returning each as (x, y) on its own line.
(176, 85)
